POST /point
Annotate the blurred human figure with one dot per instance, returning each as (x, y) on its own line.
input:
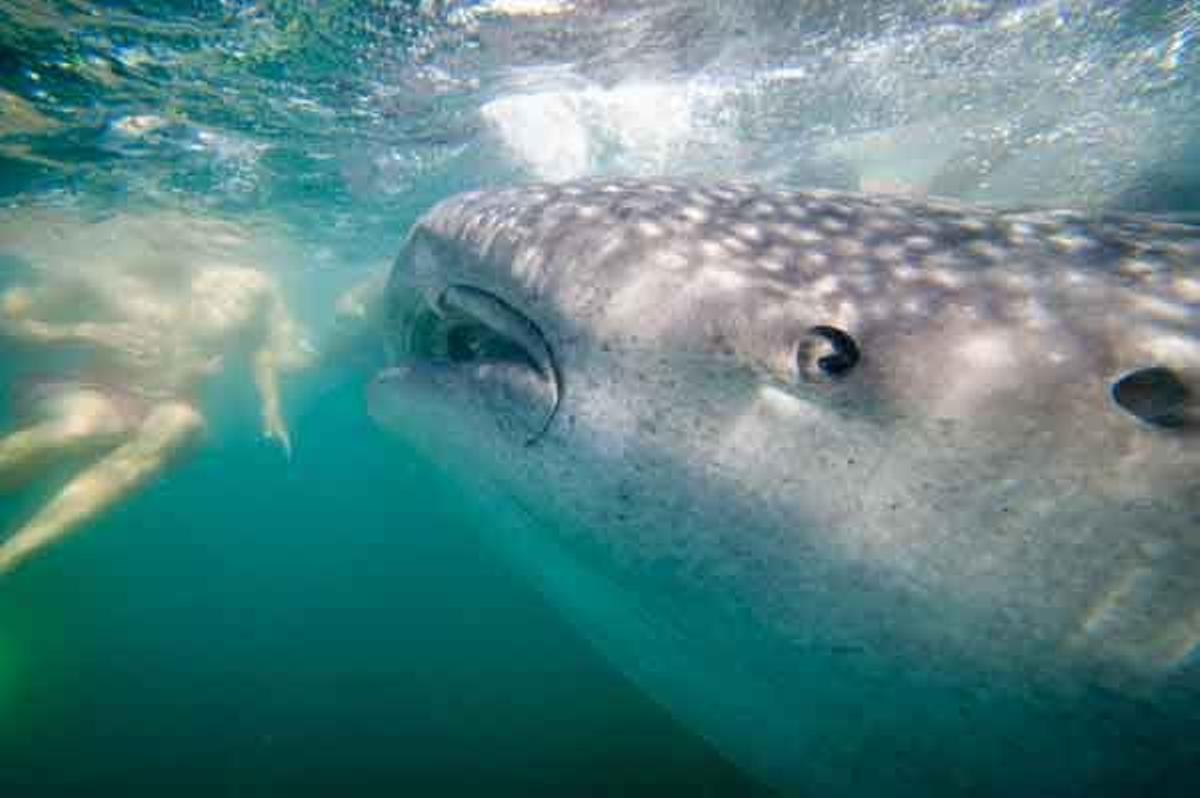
(357, 316)
(154, 321)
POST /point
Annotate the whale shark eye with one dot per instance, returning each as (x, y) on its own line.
(1153, 394)
(826, 353)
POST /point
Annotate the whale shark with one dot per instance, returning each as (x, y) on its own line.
(879, 495)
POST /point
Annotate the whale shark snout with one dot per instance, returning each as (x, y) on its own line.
(835, 476)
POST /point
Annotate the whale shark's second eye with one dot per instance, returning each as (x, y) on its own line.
(1153, 394)
(826, 353)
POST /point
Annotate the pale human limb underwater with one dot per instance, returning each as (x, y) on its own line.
(266, 380)
(166, 304)
(167, 429)
(79, 420)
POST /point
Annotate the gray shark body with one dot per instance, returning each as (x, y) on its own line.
(879, 495)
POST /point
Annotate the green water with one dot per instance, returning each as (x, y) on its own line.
(246, 627)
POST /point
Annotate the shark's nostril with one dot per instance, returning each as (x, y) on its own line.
(1153, 394)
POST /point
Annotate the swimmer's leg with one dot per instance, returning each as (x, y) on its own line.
(167, 429)
(28, 451)
(77, 422)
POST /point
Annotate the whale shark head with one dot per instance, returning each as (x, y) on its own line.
(835, 477)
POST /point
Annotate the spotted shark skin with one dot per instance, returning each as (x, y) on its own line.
(968, 559)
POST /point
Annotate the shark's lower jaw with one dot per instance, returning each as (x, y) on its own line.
(845, 588)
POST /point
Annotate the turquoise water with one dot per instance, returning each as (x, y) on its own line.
(246, 627)
(337, 624)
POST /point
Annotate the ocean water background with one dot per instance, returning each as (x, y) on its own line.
(253, 626)
(329, 627)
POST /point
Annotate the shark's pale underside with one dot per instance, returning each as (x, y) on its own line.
(879, 495)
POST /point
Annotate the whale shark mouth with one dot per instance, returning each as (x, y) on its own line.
(465, 347)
